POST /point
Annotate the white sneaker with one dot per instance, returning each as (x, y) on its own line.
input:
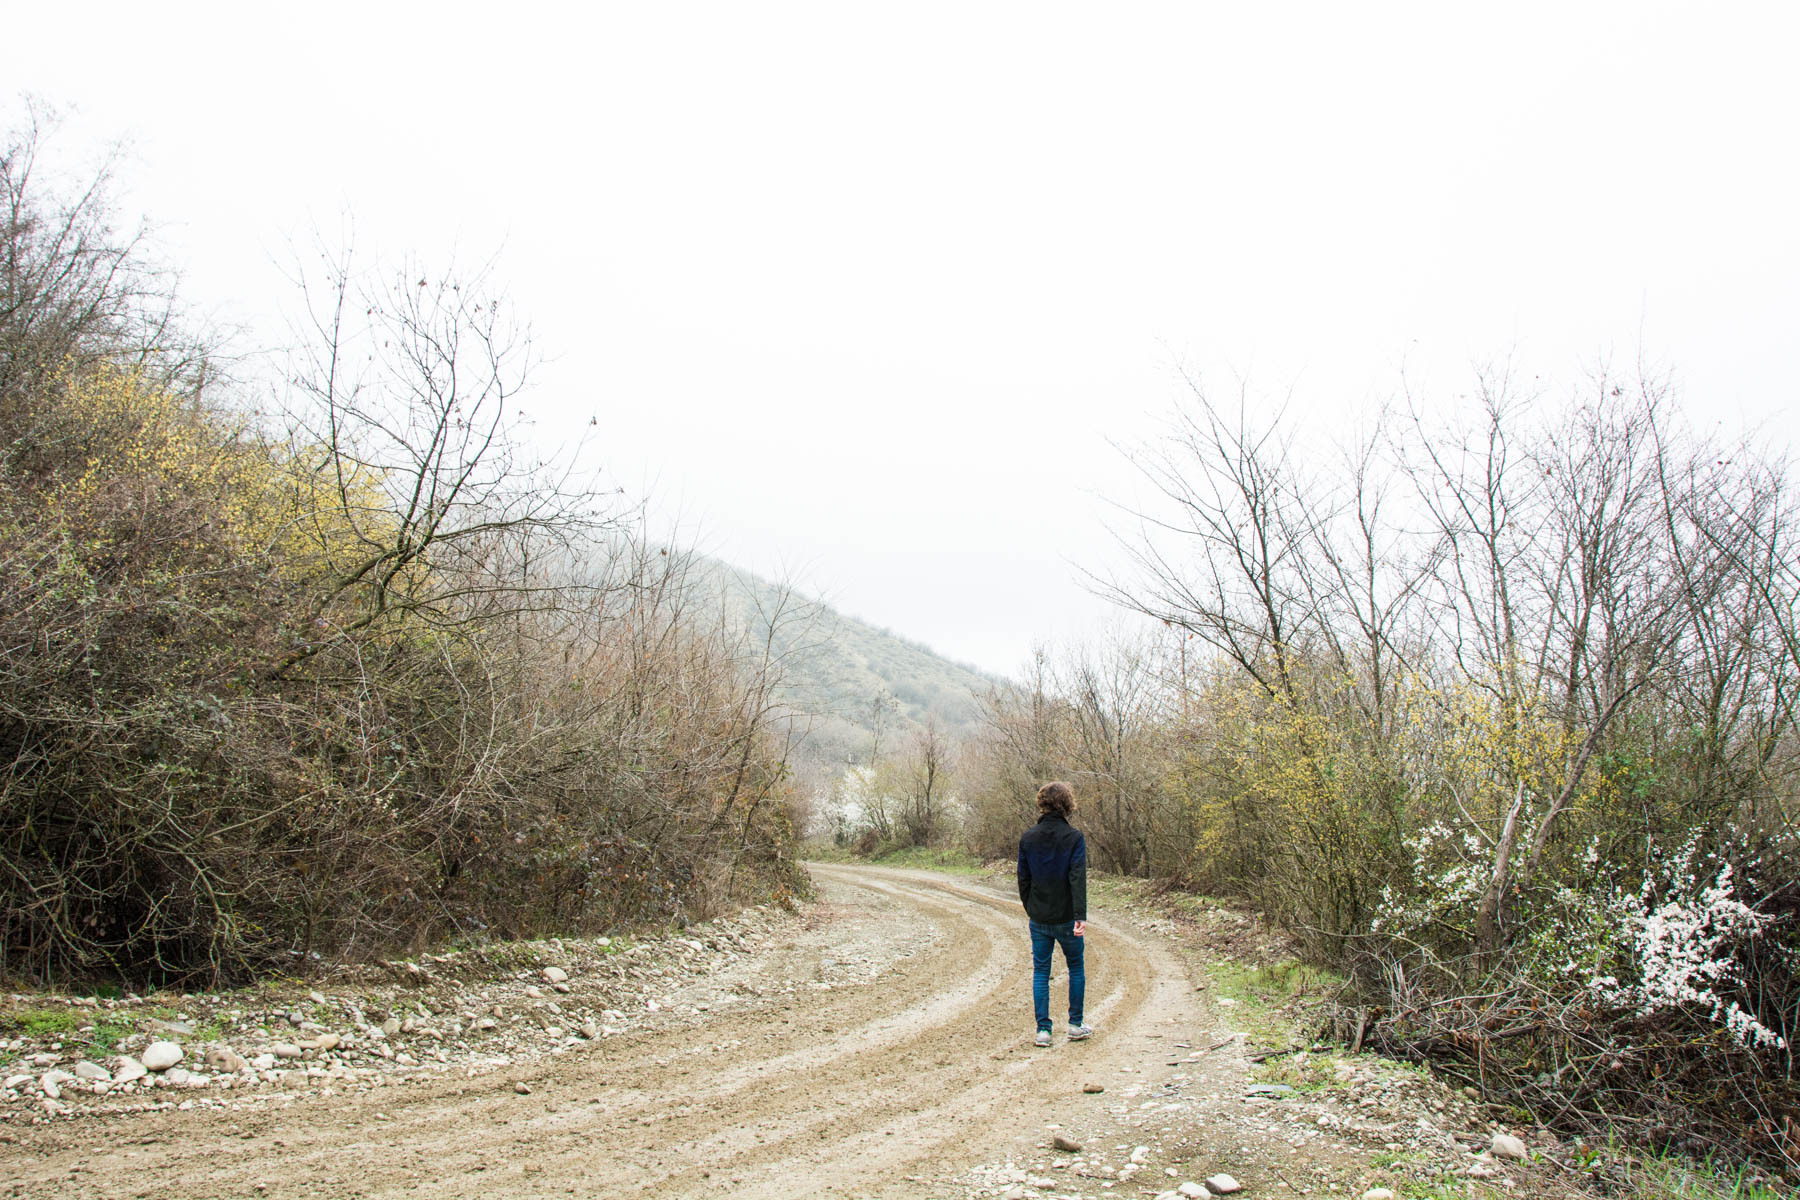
(1042, 1038)
(1080, 1033)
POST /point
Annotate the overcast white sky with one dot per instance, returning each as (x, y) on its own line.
(863, 292)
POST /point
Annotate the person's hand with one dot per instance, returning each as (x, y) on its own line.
(1080, 928)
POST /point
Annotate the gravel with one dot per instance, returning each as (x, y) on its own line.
(467, 1011)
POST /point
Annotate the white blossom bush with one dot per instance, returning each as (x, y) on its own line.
(1673, 944)
(1444, 885)
(1682, 953)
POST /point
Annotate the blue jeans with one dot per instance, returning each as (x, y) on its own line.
(1044, 940)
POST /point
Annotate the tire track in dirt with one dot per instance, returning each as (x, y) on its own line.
(885, 1088)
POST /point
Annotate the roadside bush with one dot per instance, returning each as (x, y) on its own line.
(343, 687)
(1097, 718)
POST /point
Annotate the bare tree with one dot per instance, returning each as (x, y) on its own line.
(1558, 589)
(1228, 559)
(75, 290)
(883, 707)
(404, 413)
(1116, 710)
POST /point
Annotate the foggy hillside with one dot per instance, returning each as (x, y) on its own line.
(853, 679)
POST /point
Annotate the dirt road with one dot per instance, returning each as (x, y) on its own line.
(904, 1068)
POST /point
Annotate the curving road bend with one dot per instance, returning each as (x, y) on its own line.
(894, 1084)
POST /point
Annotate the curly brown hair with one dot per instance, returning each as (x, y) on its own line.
(1056, 797)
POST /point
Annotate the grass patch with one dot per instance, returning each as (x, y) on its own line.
(1183, 903)
(107, 1035)
(1269, 997)
(1655, 1177)
(1282, 982)
(1267, 986)
(1450, 1187)
(40, 1022)
(922, 858)
(1614, 1172)
(926, 858)
(1313, 1074)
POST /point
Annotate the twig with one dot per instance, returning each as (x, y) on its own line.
(1266, 1055)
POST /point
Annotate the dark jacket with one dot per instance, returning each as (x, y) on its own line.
(1053, 871)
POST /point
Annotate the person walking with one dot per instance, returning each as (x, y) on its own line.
(1053, 889)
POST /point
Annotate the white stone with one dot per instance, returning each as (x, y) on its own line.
(129, 1069)
(1380, 1194)
(14, 1082)
(51, 1089)
(1223, 1184)
(1191, 1190)
(1140, 1154)
(391, 1026)
(58, 1077)
(285, 1050)
(93, 1071)
(161, 1056)
(1507, 1146)
(555, 975)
